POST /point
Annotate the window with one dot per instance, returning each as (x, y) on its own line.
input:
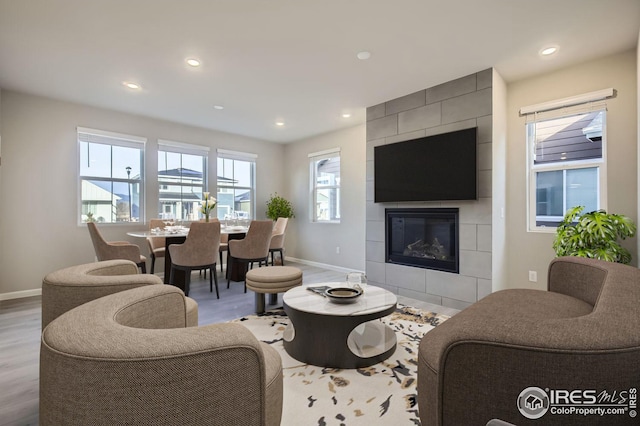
(182, 178)
(111, 176)
(236, 185)
(567, 162)
(325, 185)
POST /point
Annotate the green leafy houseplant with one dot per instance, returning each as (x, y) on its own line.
(594, 234)
(278, 206)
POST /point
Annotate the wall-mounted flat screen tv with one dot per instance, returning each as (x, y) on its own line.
(434, 168)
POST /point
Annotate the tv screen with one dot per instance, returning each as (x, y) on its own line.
(434, 168)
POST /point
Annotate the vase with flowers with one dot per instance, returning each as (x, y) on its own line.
(207, 205)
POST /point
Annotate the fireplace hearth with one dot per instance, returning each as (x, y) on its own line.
(423, 237)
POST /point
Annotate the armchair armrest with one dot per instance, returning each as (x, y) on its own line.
(67, 288)
(122, 251)
(576, 277)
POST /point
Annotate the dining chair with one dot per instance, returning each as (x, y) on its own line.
(115, 249)
(199, 251)
(223, 240)
(156, 244)
(254, 247)
(277, 239)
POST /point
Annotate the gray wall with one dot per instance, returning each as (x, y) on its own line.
(317, 242)
(532, 250)
(39, 185)
(458, 104)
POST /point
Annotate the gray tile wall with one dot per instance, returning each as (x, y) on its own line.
(455, 105)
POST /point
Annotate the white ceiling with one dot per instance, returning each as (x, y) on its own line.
(290, 60)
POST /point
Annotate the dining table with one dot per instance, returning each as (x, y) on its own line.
(177, 235)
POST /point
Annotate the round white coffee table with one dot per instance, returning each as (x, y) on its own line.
(328, 334)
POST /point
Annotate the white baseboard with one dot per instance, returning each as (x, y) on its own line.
(321, 265)
(38, 291)
(21, 294)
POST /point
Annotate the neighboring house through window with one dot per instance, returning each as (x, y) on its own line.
(566, 160)
(325, 185)
(236, 185)
(182, 179)
(111, 170)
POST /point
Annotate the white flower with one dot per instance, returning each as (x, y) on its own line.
(208, 204)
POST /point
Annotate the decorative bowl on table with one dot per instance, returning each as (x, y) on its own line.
(343, 294)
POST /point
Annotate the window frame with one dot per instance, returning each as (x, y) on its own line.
(250, 158)
(314, 158)
(111, 139)
(180, 148)
(533, 169)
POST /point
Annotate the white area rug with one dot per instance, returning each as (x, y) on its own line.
(383, 394)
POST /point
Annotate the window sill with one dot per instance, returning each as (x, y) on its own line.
(543, 230)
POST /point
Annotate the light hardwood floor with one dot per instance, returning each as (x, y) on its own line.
(20, 335)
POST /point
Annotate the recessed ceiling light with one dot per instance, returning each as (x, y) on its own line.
(218, 107)
(549, 50)
(193, 62)
(280, 123)
(131, 85)
(346, 115)
(364, 55)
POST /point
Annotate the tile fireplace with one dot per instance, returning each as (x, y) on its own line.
(423, 238)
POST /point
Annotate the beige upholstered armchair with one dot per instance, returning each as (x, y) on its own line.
(127, 358)
(199, 251)
(115, 249)
(156, 244)
(277, 239)
(252, 248)
(64, 289)
(583, 333)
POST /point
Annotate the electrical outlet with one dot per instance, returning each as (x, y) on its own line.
(338, 250)
(533, 276)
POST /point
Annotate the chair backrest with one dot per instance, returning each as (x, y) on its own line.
(156, 223)
(256, 244)
(277, 236)
(110, 251)
(201, 246)
(156, 242)
(280, 226)
(99, 243)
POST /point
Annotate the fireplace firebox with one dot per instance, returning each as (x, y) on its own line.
(423, 237)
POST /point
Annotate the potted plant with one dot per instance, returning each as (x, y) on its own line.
(594, 234)
(278, 206)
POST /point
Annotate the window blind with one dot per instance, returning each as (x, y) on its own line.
(184, 148)
(109, 138)
(580, 104)
(315, 156)
(236, 155)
